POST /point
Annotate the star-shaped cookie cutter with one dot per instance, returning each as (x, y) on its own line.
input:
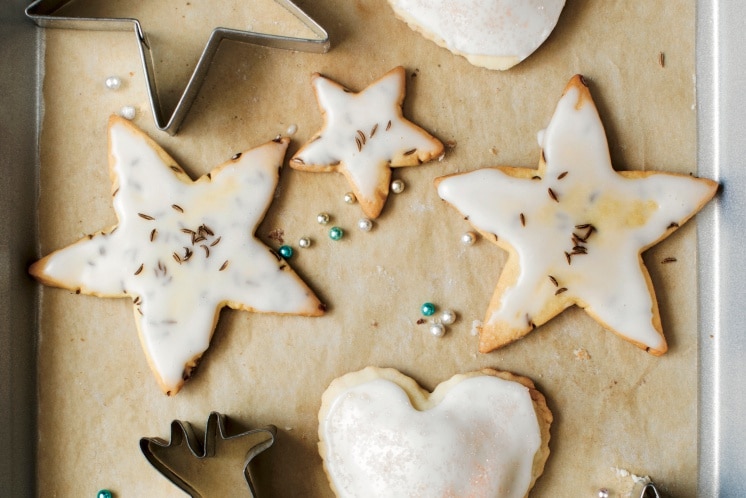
(45, 14)
(200, 469)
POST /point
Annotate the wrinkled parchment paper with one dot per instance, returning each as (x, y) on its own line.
(616, 408)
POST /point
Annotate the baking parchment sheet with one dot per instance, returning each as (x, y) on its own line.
(616, 407)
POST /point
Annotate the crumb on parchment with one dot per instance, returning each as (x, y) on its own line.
(581, 354)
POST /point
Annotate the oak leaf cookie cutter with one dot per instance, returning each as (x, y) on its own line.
(45, 14)
(217, 467)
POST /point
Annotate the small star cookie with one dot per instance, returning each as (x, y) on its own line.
(574, 229)
(182, 249)
(364, 135)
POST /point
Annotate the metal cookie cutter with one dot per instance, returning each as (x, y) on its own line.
(217, 468)
(43, 13)
(645, 490)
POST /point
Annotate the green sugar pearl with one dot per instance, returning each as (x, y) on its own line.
(105, 493)
(428, 309)
(286, 252)
(336, 233)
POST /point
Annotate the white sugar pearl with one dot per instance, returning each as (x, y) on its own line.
(603, 493)
(447, 317)
(113, 83)
(350, 198)
(304, 242)
(437, 329)
(468, 238)
(365, 224)
(397, 186)
(128, 112)
(292, 129)
(323, 218)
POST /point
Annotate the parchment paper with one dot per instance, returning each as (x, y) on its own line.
(615, 407)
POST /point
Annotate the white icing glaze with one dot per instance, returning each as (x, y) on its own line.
(364, 135)
(177, 302)
(628, 214)
(496, 34)
(478, 441)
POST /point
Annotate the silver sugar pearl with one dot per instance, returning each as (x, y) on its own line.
(365, 224)
(447, 317)
(323, 218)
(113, 83)
(397, 186)
(128, 112)
(603, 493)
(469, 238)
(350, 198)
(304, 242)
(437, 329)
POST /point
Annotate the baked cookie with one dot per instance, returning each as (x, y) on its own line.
(496, 34)
(482, 434)
(364, 135)
(182, 249)
(574, 229)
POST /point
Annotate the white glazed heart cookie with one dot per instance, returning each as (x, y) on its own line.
(574, 229)
(496, 34)
(364, 135)
(182, 249)
(481, 434)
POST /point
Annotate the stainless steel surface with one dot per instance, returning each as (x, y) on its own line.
(19, 62)
(44, 13)
(721, 97)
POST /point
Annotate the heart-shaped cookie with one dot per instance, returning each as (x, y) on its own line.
(496, 34)
(481, 434)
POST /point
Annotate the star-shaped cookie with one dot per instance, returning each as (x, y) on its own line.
(574, 229)
(182, 249)
(364, 135)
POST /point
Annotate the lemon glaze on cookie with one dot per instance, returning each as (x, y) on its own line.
(574, 229)
(475, 435)
(182, 249)
(496, 34)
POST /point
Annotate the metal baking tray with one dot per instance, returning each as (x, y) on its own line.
(21, 51)
(721, 100)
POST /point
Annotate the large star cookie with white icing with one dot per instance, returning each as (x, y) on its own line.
(574, 229)
(364, 135)
(182, 249)
(496, 34)
(480, 434)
